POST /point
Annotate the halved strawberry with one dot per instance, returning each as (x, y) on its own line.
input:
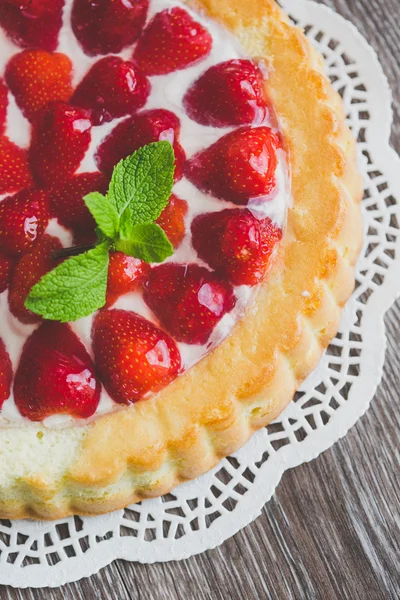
(188, 300)
(132, 356)
(67, 205)
(172, 220)
(125, 273)
(236, 244)
(130, 135)
(239, 167)
(55, 375)
(23, 219)
(228, 94)
(6, 267)
(108, 26)
(30, 268)
(3, 105)
(32, 23)
(6, 374)
(60, 138)
(112, 88)
(36, 77)
(14, 167)
(173, 40)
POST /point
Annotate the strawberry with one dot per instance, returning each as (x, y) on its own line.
(172, 220)
(6, 374)
(188, 300)
(112, 88)
(236, 244)
(125, 273)
(32, 23)
(3, 105)
(23, 219)
(132, 356)
(6, 266)
(30, 268)
(239, 167)
(61, 135)
(227, 95)
(67, 205)
(55, 375)
(173, 40)
(14, 167)
(37, 77)
(130, 135)
(105, 26)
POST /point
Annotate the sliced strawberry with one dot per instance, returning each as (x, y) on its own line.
(6, 267)
(227, 95)
(3, 105)
(67, 205)
(112, 88)
(56, 375)
(36, 77)
(105, 26)
(130, 135)
(188, 300)
(132, 356)
(172, 220)
(239, 167)
(23, 219)
(30, 268)
(6, 374)
(236, 244)
(14, 167)
(32, 23)
(173, 40)
(60, 139)
(125, 273)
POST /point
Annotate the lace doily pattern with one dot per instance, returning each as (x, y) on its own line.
(203, 513)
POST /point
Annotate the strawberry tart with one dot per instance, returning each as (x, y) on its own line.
(179, 224)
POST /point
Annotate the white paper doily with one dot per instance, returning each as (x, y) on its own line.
(203, 513)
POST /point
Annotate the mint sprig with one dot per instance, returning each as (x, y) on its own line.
(139, 190)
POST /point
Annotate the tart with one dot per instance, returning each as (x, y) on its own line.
(170, 361)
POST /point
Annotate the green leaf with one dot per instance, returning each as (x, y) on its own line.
(74, 289)
(141, 185)
(148, 242)
(104, 213)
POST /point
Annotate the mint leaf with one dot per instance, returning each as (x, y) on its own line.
(104, 213)
(142, 183)
(74, 289)
(148, 242)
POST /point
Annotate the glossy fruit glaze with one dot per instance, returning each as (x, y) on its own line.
(84, 84)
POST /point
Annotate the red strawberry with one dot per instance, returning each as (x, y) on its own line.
(14, 167)
(188, 300)
(173, 40)
(227, 95)
(130, 135)
(6, 266)
(56, 375)
(112, 88)
(6, 374)
(236, 244)
(36, 77)
(172, 220)
(67, 205)
(125, 273)
(132, 355)
(108, 26)
(3, 105)
(239, 167)
(23, 219)
(32, 23)
(30, 268)
(60, 138)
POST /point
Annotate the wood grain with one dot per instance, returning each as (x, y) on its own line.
(332, 531)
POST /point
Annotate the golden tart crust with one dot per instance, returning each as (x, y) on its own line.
(212, 410)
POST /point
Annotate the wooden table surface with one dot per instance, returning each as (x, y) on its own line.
(350, 491)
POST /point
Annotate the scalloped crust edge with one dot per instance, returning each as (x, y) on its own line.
(149, 448)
